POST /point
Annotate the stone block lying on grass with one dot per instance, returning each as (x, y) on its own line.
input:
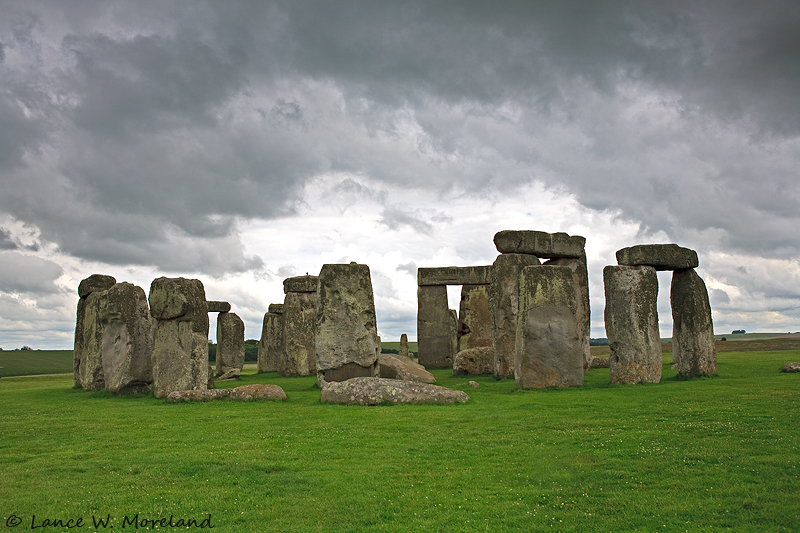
(474, 361)
(244, 393)
(403, 368)
(376, 391)
(791, 367)
(599, 362)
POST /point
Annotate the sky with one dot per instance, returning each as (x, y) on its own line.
(243, 142)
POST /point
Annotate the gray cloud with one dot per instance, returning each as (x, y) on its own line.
(21, 273)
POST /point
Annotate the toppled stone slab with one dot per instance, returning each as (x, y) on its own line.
(230, 344)
(300, 284)
(271, 345)
(471, 275)
(791, 367)
(403, 368)
(599, 362)
(233, 373)
(95, 283)
(693, 347)
(474, 318)
(658, 256)
(245, 393)
(376, 391)
(539, 243)
(218, 307)
(474, 361)
(436, 333)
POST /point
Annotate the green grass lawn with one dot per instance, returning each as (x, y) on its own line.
(28, 362)
(713, 454)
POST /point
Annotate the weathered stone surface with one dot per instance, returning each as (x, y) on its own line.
(210, 382)
(95, 283)
(275, 308)
(658, 256)
(230, 343)
(244, 393)
(791, 367)
(398, 367)
(376, 391)
(271, 346)
(474, 384)
(233, 373)
(693, 347)
(504, 306)
(300, 284)
(435, 330)
(474, 361)
(299, 326)
(580, 277)
(471, 275)
(474, 318)
(631, 320)
(347, 334)
(88, 350)
(599, 362)
(180, 350)
(549, 352)
(403, 351)
(539, 243)
(127, 339)
(218, 307)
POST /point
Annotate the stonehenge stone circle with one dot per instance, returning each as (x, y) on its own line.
(658, 256)
(631, 319)
(346, 327)
(398, 367)
(180, 350)
(299, 324)
(435, 329)
(539, 243)
(230, 344)
(693, 347)
(474, 318)
(376, 391)
(87, 362)
(549, 352)
(270, 347)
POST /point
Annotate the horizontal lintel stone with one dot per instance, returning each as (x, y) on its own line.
(471, 275)
(658, 256)
(276, 308)
(539, 243)
(300, 284)
(218, 307)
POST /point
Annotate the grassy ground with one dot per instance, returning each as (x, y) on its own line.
(715, 454)
(28, 362)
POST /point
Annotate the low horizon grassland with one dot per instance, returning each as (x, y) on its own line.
(709, 454)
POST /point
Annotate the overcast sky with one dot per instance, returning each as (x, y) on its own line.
(244, 142)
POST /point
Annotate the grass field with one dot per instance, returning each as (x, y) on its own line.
(714, 454)
(28, 362)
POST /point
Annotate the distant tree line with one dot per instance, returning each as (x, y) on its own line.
(598, 342)
(250, 351)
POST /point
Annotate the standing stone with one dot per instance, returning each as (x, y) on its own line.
(230, 343)
(180, 351)
(631, 319)
(436, 333)
(474, 318)
(347, 334)
(299, 334)
(270, 347)
(403, 351)
(504, 307)
(580, 277)
(549, 352)
(693, 347)
(127, 339)
(87, 364)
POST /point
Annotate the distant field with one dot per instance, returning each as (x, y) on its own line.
(412, 346)
(30, 362)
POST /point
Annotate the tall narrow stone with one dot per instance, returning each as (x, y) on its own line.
(435, 331)
(230, 343)
(548, 347)
(474, 318)
(631, 319)
(580, 277)
(347, 334)
(693, 346)
(270, 347)
(504, 307)
(180, 351)
(299, 334)
(87, 363)
(403, 351)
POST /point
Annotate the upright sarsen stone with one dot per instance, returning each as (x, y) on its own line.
(299, 334)
(270, 347)
(436, 333)
(549, 352)
(580, 277)
(693, 347)
(403, 351)
(230, 343)
(474, 318)
(87, 364)
(631, 319)
(180, 351)
(347, 334)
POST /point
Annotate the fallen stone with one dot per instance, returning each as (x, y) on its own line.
(471, 275)
(300, 284)
(599, 362)
(218, 307)
(245, 393)
(95, 283)
(475, 319)
(539, 243)
(791, 367)
(693, 347)
(436, 333)
(198, 395)
(474, 361)
(658, 256)
(474, 384)
(230, 344)
(233, 373)
(299, 334)
(376, 391)
(398, 367)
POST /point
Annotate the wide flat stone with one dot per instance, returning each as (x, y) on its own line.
(275, 308)
(539, 243)
(403, 368)
(218, 307)
(300, 284)
(376, 391)
(658, 256)
(245, 393)
(471, 275)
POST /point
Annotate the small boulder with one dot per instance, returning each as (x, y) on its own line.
(791, 367)
(233, 373)
(474, 361)
(474, 384)
(375, 391)
(599, 362)
(403, 368)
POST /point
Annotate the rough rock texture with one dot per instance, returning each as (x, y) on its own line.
(270, 347)
(631, 320)
(244, 393)
(210, 383)
(299, 325)
(300, 284)
(474, 361)
(94, 283)
(435, 331)
(347, 334)
(580, 277)
(403, 351)
(658, 256)
(474, 318)
(127, 339)
(474, 384)
(375, 391)
(504, 306)
(180, 350)
(275, 308)
(549, 352)
(693, 347)
(471, 275)
(233, 373)
(218, 307)
(397, 367)
(539, 243)
(791, 367)
(230, 343)
(599, 362)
